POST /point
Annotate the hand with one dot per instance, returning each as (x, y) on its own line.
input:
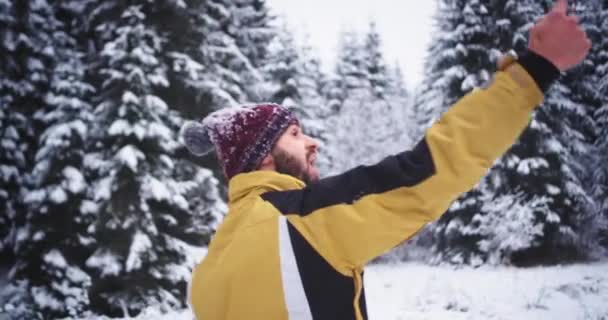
(558, 38)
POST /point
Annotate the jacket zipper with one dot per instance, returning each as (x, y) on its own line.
(358, 289)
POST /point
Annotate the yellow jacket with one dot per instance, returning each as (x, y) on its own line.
(291, 251)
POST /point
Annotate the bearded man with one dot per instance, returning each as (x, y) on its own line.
(293, 246)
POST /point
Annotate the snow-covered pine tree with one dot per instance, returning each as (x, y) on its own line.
(403, 130)
(252, 30)
(461, 57)
(184, 53)
(549, 161)
(396, 82)
(253, 33)
(571, 104)
(184, 24)
(366, 116)
(12, 123)
(205, 60)
(401, 101)
(349, 72)
(600, 168)
(314, 119)
(375, 63)
(389, 98)
(294, 80)
(236, 35)
(145, 226)
(25, 54)
(282, 69)
(55, 244)
(347, 92)
(538, 168)
(458, 26)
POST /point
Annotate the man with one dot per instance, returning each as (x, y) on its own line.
(293, 246)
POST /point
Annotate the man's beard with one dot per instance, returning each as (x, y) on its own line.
(287, 164)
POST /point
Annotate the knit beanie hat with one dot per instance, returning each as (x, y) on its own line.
(242, 136)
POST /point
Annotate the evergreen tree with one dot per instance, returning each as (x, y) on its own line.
(599, 176)
(389, 98)
(570, 105)
(540, 171)
(314, 110)
(251, 29)
(236, 37)
(25, 54)
(253, 34)
(12, 122)
(222, 57)
(349, 74)
(207, 64)
(460, 58)
(283, 68)
(396, 83)
(295, 81)
(349, 95)
(52, 254)
(367, 106)
(145, 227)
(375, 63)
(184, 26)
(401, 103)
(550, 161)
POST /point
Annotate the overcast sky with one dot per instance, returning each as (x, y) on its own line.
(404, 25)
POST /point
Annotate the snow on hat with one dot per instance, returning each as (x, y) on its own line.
(242, 136)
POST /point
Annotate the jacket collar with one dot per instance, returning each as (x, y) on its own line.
(259, 182)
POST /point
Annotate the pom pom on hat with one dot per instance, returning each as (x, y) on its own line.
(196, 138)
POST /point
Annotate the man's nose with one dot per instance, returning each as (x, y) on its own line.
(313, 144)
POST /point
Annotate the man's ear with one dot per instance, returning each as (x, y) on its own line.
(267, 163)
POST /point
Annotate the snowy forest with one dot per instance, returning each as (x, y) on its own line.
(104, 212)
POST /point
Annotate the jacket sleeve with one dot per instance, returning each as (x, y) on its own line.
(353, 217)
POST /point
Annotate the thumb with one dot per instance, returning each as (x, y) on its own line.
(560, 6)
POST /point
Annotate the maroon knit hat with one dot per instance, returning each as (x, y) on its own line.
(242, 136)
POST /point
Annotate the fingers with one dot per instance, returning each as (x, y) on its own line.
(553, 17)
(586, 45)
(535, 32)
(561, 6)
(584, 49)
(583, 46)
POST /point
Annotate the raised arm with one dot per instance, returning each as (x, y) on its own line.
(351, 218)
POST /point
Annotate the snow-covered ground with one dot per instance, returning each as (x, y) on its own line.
(411, 291)
(418, 292)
